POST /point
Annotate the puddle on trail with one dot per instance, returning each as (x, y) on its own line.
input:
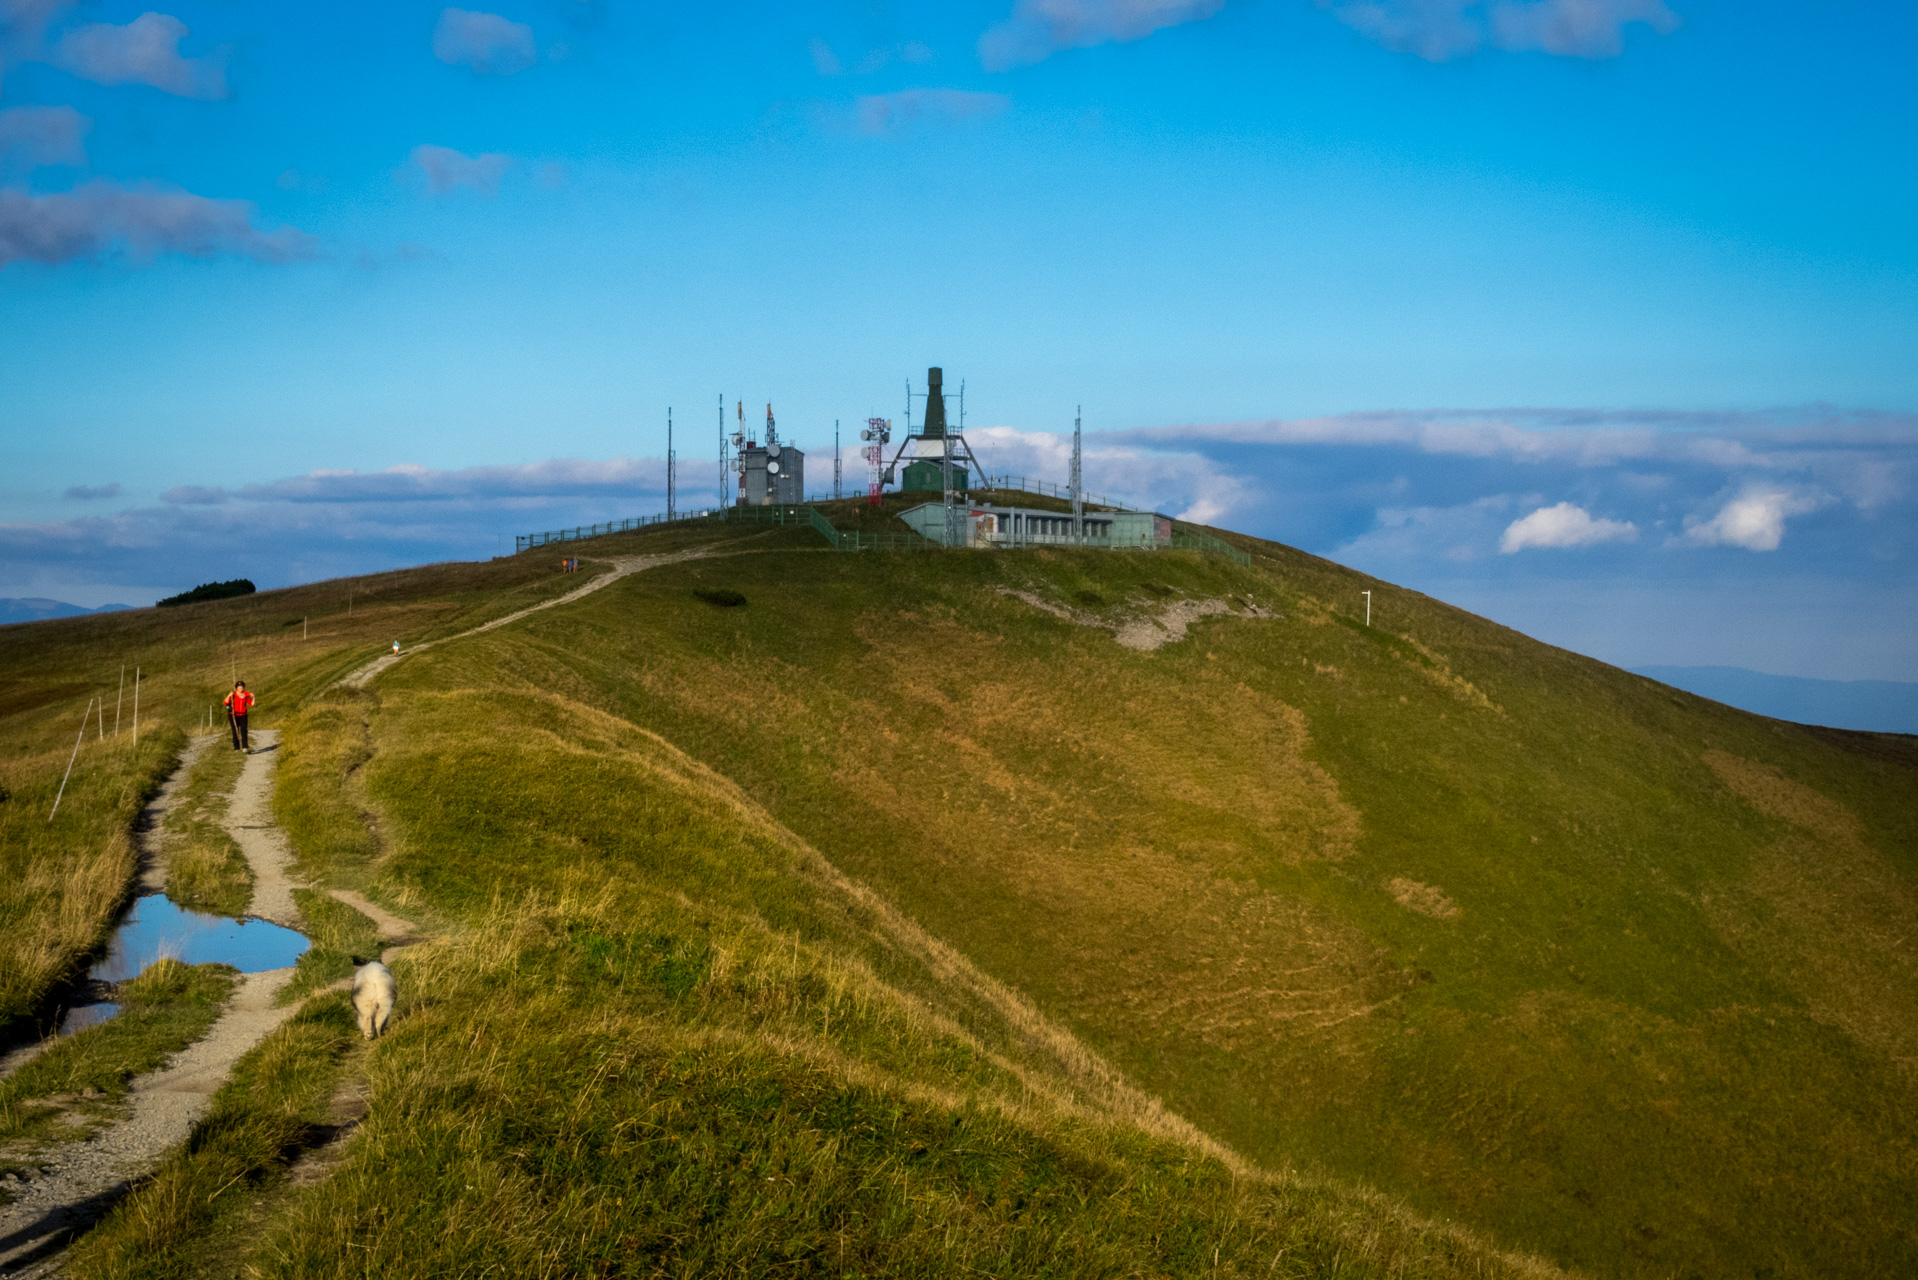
(154, 926)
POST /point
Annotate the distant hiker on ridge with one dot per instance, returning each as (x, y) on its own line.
(238, 703)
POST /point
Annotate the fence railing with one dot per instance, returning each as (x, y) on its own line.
(1204, 542)
(527, 541)
(1045, 489)
(855, 540)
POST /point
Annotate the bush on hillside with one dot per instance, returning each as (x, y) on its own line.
(720, 597)
(211, 591)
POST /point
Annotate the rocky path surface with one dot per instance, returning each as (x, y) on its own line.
(359, 677)
(249, 820)
(80, 1181)
(150, 831)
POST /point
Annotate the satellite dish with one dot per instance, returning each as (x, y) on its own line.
(772, 449)
(773, 467)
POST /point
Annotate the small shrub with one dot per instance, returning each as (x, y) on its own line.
(720, 597)
(1090, 599)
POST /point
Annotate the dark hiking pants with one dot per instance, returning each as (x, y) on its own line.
(239, 731)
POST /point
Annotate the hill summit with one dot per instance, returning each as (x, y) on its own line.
(1058, 911)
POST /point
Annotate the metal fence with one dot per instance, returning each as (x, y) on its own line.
(527, 541)
(1045, 489)
(1210, 545)
(853, 539)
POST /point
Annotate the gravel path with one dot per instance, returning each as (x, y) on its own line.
(80, 1181)
(622, 566)
(149, 830)
(249, 820)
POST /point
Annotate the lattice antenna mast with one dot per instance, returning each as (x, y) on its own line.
(1078, 497)
(835, 459)
(725, 467)
(739, 440)
(877, 435)
(669, 462)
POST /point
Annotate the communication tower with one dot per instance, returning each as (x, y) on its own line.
(877, 435)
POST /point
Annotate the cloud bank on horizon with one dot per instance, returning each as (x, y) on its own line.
(1581, 503)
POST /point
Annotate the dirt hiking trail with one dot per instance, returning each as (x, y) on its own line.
(359, 677)
(80, 1181)
(249, 820)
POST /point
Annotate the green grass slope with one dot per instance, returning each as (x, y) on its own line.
(901, 920)
(1614, 973)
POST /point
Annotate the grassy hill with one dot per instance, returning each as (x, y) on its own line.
(900, 919)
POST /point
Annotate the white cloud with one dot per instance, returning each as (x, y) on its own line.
(1038, 29)
(1188, 485)
(1755, 520)
(1864, 457)
(824, 60)
(486, 42)
(1563, 526)
(1455, 533)
(31, 137)
(144, 51)
(101, 217)
(1576, 28)
(447, 170)
(889, 112)
(1438, 30)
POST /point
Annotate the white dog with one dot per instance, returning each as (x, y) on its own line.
(373, 993)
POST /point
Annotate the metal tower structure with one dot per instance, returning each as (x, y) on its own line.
(877, 435)
(835, 458)
(669, 462)
(725, 463)
(934, 443)
(1078, 490)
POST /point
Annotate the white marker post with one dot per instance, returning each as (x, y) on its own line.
(118, 699)
(136, 709)
(70, 759)
(1368, 607)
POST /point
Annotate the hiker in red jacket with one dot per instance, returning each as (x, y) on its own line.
(238, 703)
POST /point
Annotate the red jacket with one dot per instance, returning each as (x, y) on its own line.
(239, 702)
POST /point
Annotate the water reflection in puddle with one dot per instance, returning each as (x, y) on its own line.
(156, 927)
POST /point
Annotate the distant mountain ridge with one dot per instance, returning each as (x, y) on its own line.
(38, 609)
(1881, 706)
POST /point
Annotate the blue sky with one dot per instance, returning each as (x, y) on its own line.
(312, 289)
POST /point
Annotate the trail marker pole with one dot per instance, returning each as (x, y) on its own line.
(136, 712)
(302, 628)
(1368, 607)
(70, 759)
(118, 699)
